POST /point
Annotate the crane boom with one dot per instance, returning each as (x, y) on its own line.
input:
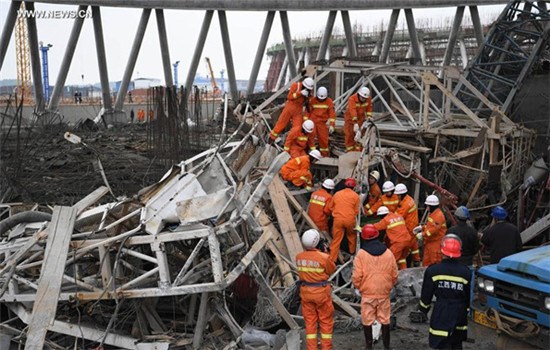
(212, 79)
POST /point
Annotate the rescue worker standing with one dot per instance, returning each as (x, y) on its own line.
(300, 139)
(449, 281)
(432, 232)
(297, 98)
(409, 211)
(297, 170)
(388, 199)
(314, 269)
(359, 108)
(344, 207)
(374, 275)
(503, 238)
(319, 205)
(397, 235)
(467, 235)
(322, 111)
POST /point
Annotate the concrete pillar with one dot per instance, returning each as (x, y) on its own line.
(198, 52)
(260, 52)
(326, 35)
(350, 39)
(164, 48)
(35, 61)
(457, 21)
(7, 31)
(288, 43)
(101, 59)
(67, 59)
(413, 35)
(476, 21)
(389, 36)
(142, 26)
(228, 57)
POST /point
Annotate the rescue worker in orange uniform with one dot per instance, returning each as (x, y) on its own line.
(397, 235)
(359, 108)
(322, 111)
(432, 232)
(300, 139)
(297, 98)
(409, 211)
(374, 190)
(344, 207)
(297, 170)
(319, 205)
(314, 270)
(374, 275)
(389, 200)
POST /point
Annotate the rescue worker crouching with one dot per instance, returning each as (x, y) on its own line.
(389, 199)
(322, 111)
(374, 275)
(297, 170)
(449, 281)
(397, 235)
(300, 139)
(432, 232)
(374, 190)
(319, 205)
(409, 211)
(344, 207)
(314, 270)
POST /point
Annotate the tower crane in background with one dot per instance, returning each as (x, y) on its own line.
(216, 90)
(23, 62)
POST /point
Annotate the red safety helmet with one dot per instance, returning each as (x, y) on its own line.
(451, 246)
(369, 232)
(350, 182)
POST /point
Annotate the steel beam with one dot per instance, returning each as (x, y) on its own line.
(350, 40)
(101, 59)
(326, 35)
(288, 43)
(35, 61)
(228, 57)
(389, 36)
(282, 75)
(260, 52)
(413, 35)
(11, 17)
(138, 39)
(198, 52)
(457, 21)
(164, 49)
(67, 59)
(476, 21)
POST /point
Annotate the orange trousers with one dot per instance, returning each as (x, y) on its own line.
(415, 252)
(321, 132)
(339, 229)
(400, 250)
(318, 309)
(432, 253)
(349, 136)
(291, 111)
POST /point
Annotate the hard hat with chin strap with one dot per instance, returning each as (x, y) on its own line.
(401, 189)
(308, 83)
(432, 200)
(322, 93)
(310, 239)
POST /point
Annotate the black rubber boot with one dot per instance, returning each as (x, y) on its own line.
(386, 336)
(368, 336)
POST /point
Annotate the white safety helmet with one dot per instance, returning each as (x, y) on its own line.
(310, 239)
(322, 93)
(401, 189)
(375, 174)
(308, 126)
(388, 186)
(432, 200)
(315, 154)
(383, 210)
(308, 83)
(364, 92)
(328, 184)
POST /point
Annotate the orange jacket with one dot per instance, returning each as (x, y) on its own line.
(297, 167)
(374, 276)
(314, 266)
(395, 227)
(390, 202)
(408, 210)
(297, 142)
(435, 228)
(295, 94)
(345, 205)
(357, 111)
(374, 194)
(321, 111)
(319, 208)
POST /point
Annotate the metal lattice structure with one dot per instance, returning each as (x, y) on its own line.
(23, 60)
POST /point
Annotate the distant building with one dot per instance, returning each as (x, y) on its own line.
(145, 83)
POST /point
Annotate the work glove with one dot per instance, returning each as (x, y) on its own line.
(417, 229)
(355, 127)
(331, 130)
(305, 92)
(357, 137)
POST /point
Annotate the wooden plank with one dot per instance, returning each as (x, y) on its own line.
(90, 199)
(284, 218)
(51, 276)
(344, 306)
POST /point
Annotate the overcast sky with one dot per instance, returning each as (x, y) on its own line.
(119, 26)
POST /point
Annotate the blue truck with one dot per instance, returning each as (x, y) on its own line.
(519, 286)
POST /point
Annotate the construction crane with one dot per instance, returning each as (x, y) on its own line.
(23, 62)
(215, 88)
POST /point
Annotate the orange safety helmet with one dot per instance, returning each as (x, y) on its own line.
(350, 182)
(451, 246)
(369, 231)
